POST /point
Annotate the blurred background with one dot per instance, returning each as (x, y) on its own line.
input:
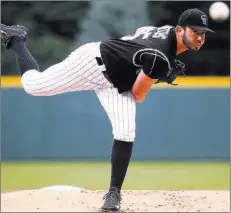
(58, 27)
(183, 133)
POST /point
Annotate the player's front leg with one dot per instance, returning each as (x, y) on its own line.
(121, 110)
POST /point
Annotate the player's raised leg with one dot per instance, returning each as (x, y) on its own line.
(121, 110)
(79, 71)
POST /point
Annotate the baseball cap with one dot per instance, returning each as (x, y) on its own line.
(195, 19)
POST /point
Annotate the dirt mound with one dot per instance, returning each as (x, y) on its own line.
(82, 200)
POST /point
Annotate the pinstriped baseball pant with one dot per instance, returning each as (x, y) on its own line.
(80, 71)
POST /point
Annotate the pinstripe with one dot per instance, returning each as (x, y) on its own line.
(133, 113)
(80, 71)
(85, 76)
(128, 110)
(118, 114)
(120, 109)
(108, 104)
(49, 72)
(92, 84)
(51, 80)
(65, 74)
(62, 81)
(123, 116)
(98, 76)
(114, 105)
(65, 86)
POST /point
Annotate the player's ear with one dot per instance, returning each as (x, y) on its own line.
(180, 30)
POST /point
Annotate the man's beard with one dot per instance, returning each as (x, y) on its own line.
(187, 43)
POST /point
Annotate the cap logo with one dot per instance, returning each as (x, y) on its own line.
(203, 18)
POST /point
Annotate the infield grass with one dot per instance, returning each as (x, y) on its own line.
(96, 175)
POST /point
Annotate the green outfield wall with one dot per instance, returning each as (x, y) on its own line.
(184, 124)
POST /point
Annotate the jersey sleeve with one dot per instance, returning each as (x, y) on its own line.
(156, 65)
(145, 29)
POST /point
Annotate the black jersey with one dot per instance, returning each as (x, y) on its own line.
(152, 51)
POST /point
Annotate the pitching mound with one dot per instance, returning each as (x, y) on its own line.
(81, 200)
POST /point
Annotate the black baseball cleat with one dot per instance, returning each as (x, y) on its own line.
(9, 32)
(112, 200)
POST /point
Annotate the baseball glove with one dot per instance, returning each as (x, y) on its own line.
(178, 68)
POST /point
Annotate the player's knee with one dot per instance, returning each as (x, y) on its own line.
(29, 83)
(126, 134)
(28, 87)
(29, 91)
(125, 137)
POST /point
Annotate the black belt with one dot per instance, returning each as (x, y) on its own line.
(100, 63)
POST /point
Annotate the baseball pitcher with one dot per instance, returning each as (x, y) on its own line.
(120, 71)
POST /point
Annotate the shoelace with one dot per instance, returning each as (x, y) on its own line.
(110, 194)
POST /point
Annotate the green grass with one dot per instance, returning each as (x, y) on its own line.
(96, 175)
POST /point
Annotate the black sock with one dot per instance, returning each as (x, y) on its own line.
(24, 59)
(120, 158)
